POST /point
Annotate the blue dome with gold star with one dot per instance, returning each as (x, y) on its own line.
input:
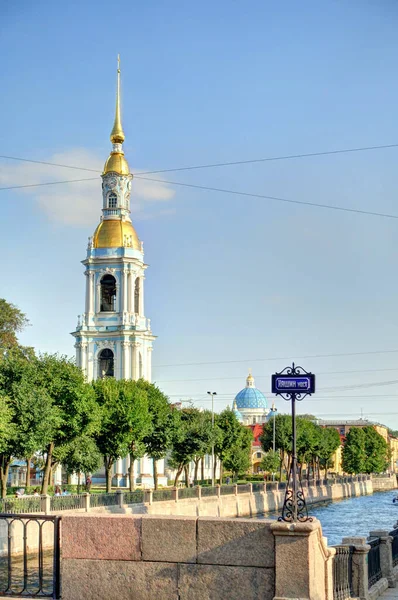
(250, 396)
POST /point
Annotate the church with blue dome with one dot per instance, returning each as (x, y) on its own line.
(250, 404)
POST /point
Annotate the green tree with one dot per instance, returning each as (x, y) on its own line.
(206, 435)
(81, 456)
(354, 455)
(283, 437)
(159, 438)
(35, 418)
(123, 409)
(74, 400)
(238, 458)
(270, 462)
(376, 450)
(330, 442)
(12, 321)
(228, 437)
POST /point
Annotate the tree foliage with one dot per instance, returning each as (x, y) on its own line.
(365, 451)
(270, 462)
(12, 321)
(238, 458)
(123, 416)
(158, 439)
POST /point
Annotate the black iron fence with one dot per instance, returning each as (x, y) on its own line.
(70, 502)
(103, 500)
(30, 566)
(26, 504)
(374, 568)
(394, 546)
(342, 573)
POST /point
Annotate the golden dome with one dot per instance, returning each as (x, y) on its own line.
(114, 233)
(117, 164)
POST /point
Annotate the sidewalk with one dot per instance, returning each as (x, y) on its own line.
(390, 594)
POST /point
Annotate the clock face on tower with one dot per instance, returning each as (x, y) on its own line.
(112, 182)
(129, 185)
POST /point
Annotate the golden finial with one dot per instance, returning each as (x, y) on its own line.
(117, 133)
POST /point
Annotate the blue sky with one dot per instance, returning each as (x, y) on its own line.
(231, 278)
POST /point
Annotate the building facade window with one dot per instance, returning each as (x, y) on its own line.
(112, 201)
(106, 363)
(137, 296)
(108, 294)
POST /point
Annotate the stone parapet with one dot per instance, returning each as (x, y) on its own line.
(117, 557)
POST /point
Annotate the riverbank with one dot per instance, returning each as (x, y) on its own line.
(241, 502)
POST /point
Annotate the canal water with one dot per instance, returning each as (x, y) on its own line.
(355, 516)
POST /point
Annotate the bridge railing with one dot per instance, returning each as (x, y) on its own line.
(374, 563)
(342, 572)
(394, 546)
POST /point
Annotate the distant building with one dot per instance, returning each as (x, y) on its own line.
(251, 409)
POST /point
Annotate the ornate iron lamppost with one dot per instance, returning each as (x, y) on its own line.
(294, 383)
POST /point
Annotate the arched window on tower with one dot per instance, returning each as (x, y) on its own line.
(106, 364)
(137, 296)
(108, 293)
(112, 200)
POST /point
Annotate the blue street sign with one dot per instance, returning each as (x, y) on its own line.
(282, 384)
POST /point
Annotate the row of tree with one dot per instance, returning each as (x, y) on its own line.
(48, 410)
(365, 451)
(315, 445)
(50, 414)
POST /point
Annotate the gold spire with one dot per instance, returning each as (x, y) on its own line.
(117, 133)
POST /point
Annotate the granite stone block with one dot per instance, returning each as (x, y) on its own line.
(217, 582)
(101, 537)
(118, 580)
(169, 539)
(243, 542)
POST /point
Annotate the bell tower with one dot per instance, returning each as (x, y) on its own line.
(113, 335)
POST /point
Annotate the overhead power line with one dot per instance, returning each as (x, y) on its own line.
(224, 191)
(267, 376)
(29, 185)
(271, 158)
(221, 164)
(252, 360)
(275, 198)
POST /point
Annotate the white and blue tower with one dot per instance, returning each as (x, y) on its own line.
(113, 336)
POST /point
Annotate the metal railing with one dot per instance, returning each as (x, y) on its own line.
(187, 492)
(227, 490)
(31, 574)
(257, 486)
(208, 491)
(161, 495)
(374, 568)
(103, 500)
(342, 572)
(135, 497)
(394, 546)
(244, 488)
(27, 504)
(72, 502)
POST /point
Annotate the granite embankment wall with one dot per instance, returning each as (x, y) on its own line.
(384, 483)
(240, 504)
(119, 557)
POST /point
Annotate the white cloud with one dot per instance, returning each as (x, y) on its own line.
(78, 203)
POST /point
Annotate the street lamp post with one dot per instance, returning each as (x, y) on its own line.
(212, 394)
